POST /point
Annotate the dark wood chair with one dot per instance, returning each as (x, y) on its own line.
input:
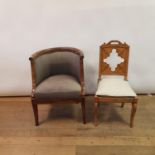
(113, 86)
(57, 76)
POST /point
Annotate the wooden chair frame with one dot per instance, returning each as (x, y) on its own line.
(121, 69)
(36, 101)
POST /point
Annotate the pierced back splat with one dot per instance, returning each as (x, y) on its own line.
(114, 59)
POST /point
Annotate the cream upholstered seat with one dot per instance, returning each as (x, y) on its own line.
(114, 87)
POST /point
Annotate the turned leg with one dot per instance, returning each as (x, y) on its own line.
(95, 113)
(122, 104)
(133, 112)
(83, 110)
(35, 110)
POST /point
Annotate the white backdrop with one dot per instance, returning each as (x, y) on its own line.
(30, 25)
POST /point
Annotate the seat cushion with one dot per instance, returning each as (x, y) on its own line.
(58, 86)
(114, 87)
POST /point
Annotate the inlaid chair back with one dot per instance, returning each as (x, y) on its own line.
(113, 59)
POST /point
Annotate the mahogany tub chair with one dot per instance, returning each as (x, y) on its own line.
(113, 86)
(57, 76)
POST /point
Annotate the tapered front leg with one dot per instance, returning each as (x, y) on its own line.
(35, 111)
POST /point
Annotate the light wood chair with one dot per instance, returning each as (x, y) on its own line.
(113, 86)
(57, 76)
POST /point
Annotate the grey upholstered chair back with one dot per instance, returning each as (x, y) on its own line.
(57, 62)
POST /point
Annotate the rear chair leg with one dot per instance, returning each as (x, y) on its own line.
(95, 113)
(83, 110)
(122, 105)
(133, 112)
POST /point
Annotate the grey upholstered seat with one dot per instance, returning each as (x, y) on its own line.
(58, 86)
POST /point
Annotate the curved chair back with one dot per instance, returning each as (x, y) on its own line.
(53, 61)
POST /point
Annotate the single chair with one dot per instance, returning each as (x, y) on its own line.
(113, 86)
(57, 76)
